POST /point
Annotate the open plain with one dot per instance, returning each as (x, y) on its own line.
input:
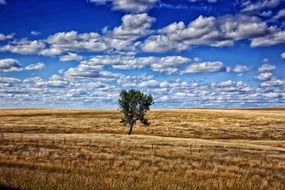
(181, 149)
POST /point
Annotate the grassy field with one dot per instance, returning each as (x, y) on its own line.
(181, 149)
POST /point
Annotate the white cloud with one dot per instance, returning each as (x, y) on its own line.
(122, 37)
(36, 66)
(149, 84)
(266, 67)
(271, 95)
(133, 26)
(9, 65)
(73, 41)
(164, 84)
(264, 76)
(13, 65)
(104, 91)
(166, 64)
(266, 13)
(273, 82)
(35, 33)
(162, 43)
(71, 57)
(242, 27)
(283, 55)
(57, 81)
(9, 80)
(249, 6)
(52, 51)
(84, 70)
(24, 47)
(274, 36)
(205, 67)
(128, 5)
(6, 37)
(225, 83)
(211, 31)
(238, 69)
(280, 14)
(201, 31)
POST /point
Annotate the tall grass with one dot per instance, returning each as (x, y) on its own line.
(182, 149)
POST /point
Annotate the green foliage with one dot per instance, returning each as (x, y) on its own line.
(134, 104)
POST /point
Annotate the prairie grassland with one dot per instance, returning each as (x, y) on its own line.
(181, 149)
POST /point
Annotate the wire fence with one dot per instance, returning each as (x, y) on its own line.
(190, 149)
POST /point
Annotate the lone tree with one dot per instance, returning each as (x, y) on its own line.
(134, 104)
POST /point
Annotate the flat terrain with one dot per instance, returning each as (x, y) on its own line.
(181, 149)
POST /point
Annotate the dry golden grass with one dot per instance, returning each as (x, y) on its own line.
(181, 149)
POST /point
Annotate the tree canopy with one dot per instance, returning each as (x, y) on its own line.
(134, 104)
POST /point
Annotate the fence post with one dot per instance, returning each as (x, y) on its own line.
(21, 137)
(265, 156)
(63, 140)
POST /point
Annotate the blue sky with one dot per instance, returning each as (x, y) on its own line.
(186, 53)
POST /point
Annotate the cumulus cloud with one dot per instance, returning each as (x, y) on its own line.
(13, 65)
(273, 82)
(10, 65)
(9, 80)
(271, 95)
(177, 36)
(211, 31)
(264, 76)
(84, 70)
(57, 81)
(162, 43)
(71, 57)
(205, 67)
(74, 41)
(23, 46)
(135, 6)
(95, 92)
(266, 67)
(123, 37)
(133, 26)
(36, 66)
(238, 69)
(167, 64)
(51, 51)
(224, 84)
(274, 36)
(149, 84)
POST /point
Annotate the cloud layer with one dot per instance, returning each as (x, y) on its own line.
(212, 57)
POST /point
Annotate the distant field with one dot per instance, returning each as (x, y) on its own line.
(181, 149)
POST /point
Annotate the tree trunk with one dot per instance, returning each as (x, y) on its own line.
(131, 128)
